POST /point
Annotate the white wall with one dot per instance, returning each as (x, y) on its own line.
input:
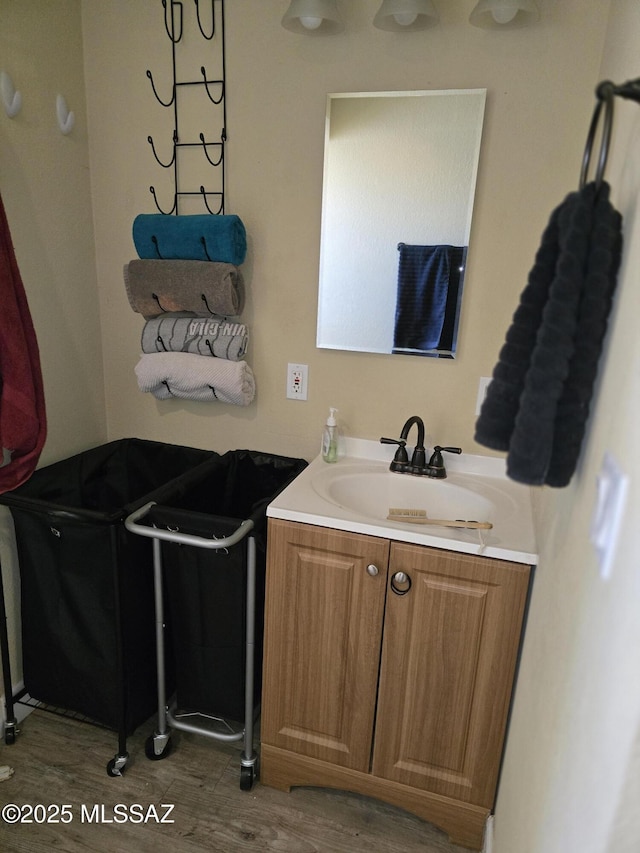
(572, 755)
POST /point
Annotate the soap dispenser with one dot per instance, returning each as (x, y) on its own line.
(330, 438)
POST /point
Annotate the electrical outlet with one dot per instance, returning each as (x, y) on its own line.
(297, 381)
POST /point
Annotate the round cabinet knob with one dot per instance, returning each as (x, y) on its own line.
(372, 570)
(400, 583)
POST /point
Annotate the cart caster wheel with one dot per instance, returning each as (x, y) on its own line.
(9, 736)
(150, 752)
(116, 766)
(247, 778)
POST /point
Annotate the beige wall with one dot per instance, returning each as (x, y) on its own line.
(572, 758)
(577, 710)
(538, 108)
(44, 183)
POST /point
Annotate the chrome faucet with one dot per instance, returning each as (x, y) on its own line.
(418, 465)
(400, 461)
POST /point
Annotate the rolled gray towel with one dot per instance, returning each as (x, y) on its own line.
(200, 287)
(192, 377)
(212, 336)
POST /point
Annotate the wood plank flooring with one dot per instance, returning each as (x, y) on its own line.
(57, 760)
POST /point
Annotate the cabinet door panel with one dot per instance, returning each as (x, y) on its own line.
(322, 642)
(449, 654)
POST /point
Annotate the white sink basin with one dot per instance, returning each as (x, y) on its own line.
(372, 493)
(356, 493)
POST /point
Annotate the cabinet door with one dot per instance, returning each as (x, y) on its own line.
(323, 625)
(448, 661)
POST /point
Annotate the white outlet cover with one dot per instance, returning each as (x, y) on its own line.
(297, 381)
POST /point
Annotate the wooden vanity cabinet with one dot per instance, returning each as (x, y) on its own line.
(395, 689)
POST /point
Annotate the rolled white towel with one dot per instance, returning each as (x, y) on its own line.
(195, 377)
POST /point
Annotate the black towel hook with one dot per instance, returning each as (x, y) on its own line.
(155, 153)
(204, 246)
(156, 299)
(155, 91)
(207, 83)
(213, 20)
(171, 30)
(205, 144)
(605, 93)
(204, 195)
(203, 297)
(152, 190)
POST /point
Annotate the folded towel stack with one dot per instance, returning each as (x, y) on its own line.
(186, 284)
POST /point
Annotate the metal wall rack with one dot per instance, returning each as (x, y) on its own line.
(211, 150)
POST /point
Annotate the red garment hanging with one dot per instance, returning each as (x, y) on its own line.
(23, 426)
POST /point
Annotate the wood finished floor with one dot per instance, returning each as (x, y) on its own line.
(57, 760)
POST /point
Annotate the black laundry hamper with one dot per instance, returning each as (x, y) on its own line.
(210, 553)
(88, 629)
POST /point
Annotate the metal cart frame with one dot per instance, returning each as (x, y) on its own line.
(158, 745)
(10, 723)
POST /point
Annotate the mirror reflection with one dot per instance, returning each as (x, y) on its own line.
(399, 182)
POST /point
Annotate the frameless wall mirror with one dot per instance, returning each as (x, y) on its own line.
(399, 182)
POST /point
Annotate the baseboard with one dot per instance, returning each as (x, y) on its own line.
(464, 823)
(487, 847)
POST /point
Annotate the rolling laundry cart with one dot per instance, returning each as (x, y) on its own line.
(88, 633)
(209, 551)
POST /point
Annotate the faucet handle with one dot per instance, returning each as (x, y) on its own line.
(436, 467)
(400, 460)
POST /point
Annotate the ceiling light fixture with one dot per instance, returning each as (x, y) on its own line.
(402, 15)
(312, 17)
(504, 14)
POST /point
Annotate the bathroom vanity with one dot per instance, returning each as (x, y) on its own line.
(391, 647)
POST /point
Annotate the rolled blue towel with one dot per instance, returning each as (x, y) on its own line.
(201, 237)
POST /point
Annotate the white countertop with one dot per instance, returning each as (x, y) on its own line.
(506, 504)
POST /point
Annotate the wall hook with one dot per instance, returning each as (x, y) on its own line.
(158, 98)
(66, 117)
(204, 195)
(155, 154)
(11, 99)
(206, 153)
(213, 21)
(171, 30)
(206, 86)
(152, 190)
